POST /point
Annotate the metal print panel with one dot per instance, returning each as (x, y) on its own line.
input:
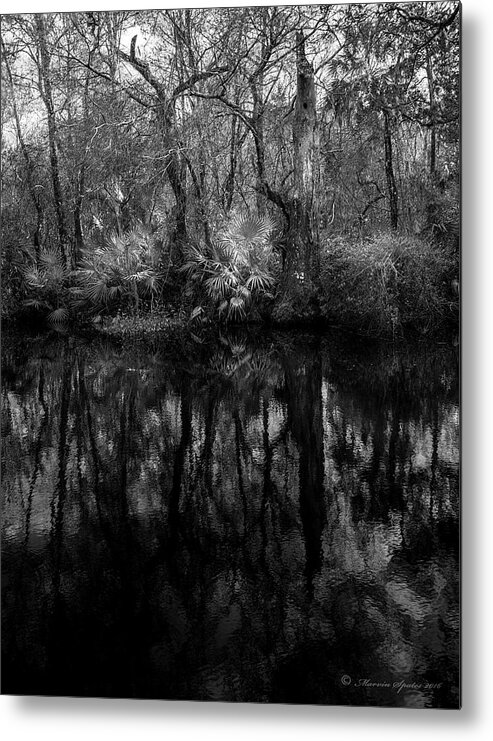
(230, 358)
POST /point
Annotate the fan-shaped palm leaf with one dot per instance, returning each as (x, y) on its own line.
(236, 307)
(50, 258)
(96, 290)
(58, 316)
(217, 286)
(55, 275)
(249, 228)
(244, 292)
(34, 277)
(259, 281)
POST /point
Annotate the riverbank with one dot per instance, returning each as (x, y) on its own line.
(387, 285)
(165, 324)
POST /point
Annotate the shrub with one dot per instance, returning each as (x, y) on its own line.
(121, 272)
(443, 213)
(298, 303)
(235, 270)
(385, 283)
(126, 326)
(14, 287)
(47, 284)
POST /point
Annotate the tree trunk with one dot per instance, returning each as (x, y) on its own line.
(257, 89)
(258, 119)
(229, 184)
(175, 168)
(389, 172)
(431, 92)
(304, 222)
(174, 163)
(78, 235)
(47, 96)
(258, 123)
(81, 177)
(29, 165)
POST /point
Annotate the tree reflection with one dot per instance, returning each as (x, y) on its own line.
(245, 521)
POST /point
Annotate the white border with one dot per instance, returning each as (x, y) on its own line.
(85, 719)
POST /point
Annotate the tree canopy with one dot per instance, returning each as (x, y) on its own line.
(328, 120)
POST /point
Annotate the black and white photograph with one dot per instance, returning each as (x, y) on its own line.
(231, 354)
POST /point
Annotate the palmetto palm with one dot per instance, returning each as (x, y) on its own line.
(125, 266)
(236, 268)
(48, 286)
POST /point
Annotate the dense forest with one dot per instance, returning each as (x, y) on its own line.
(276, 164)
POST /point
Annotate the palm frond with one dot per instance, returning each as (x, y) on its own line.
(97, 291)
(36, 303)
(50, 259)
(222, 307)
(58, 316)
(259, 282)
(249, 228)
(244, 292)
(34, 277)
(236, 307)
(217, 286)
(196, 313)
(55, 275)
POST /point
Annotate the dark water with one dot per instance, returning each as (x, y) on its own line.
(272, 521)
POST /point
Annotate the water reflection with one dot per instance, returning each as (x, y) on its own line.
(271, 521)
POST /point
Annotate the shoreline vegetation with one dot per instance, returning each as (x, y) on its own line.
(388, 287)
(282, 167)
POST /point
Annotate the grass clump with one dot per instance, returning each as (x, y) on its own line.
(128, 325)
